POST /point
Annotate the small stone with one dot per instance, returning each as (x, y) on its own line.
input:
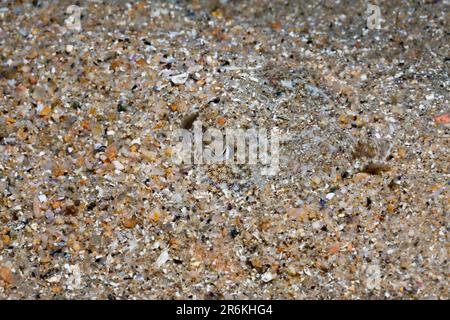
(404, 264)
(129, 223)
(59, 220)
(316, 180)
(121, 107)
(33, 80)
(148, 156)
(233, 232)
(154, 217)
(276, 25)
(343, 119)
(256, 263)
(291, 271)
(54, 279)
(442, 119)
(76, 105)
(56, 290)
(6, 275)
(44, 111)
(111, 152)
(316, 225)
(221, 121)
(118, 165)
(334, 249)
(6, 239)
(69, 48)
(71, 210)
(49, 215)
(390, 208)
(36, 207)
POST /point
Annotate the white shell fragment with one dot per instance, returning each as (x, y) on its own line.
(162, 259)
(179, 78)
(268, 276)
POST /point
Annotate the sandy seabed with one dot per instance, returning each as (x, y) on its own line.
(93, 207)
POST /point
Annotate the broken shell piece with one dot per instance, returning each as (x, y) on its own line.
(268, 276)
(179, 78)
(162, 259)
(118, 165)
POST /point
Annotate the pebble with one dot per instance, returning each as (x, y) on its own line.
(6, 275)
(316, 180)
(330, 196)
(118, 165)
(69, 48)
(443, 119)
(316, 225)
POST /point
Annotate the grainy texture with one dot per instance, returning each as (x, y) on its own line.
(91, 206)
